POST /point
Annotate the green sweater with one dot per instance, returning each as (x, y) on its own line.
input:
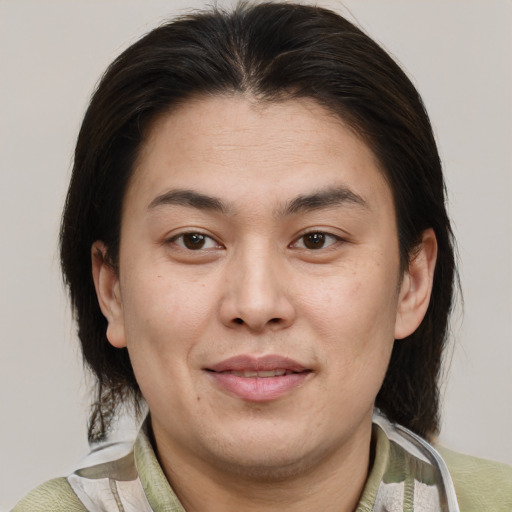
(480, 485)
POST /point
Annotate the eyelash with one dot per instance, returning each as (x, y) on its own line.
(200, 236)
(322, 236)
(316, 236)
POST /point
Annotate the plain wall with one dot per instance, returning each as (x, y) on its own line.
(458, 53)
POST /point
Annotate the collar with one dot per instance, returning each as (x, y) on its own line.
(407, 474)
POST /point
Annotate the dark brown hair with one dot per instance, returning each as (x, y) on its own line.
(272, 52)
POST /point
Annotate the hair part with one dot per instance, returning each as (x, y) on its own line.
(270, 52)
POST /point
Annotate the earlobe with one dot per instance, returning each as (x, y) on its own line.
(416, 286)
(106, 282)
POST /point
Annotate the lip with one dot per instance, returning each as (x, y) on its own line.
(253, 363)
(258, 388)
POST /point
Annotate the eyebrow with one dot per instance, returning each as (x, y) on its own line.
(188, 198)
(330, 197)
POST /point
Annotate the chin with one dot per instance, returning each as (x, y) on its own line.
(265, 458)
(265, 469)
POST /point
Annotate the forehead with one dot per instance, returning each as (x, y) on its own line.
(236, 147)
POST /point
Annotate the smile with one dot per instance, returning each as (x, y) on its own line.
(261, 374)
(258, 379)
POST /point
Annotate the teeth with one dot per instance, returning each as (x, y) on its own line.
(262, 373)
(246, 374)
(272, 373)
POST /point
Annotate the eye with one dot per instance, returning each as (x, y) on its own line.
(315, 240)
(195, 241)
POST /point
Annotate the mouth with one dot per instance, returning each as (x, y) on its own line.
(258, 379)
(263, 374)
(254, 365)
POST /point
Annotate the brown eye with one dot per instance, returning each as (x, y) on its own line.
(314, 240)
(195, 241)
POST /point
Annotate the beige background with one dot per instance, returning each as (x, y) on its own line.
(459, 53)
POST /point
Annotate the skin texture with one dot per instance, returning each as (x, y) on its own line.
(275, 276)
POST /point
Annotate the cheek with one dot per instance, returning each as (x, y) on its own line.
(163, 311)
(165, 321)
(354, 312)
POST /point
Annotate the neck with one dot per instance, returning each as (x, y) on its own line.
(332, 483)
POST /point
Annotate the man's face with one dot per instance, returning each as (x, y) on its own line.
(259, 287)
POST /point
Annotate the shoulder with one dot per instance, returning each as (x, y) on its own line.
(53, 496)
(481, 485)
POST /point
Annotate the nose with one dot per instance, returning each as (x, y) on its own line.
(256, 294)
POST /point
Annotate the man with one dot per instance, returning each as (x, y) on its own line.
(260, 199)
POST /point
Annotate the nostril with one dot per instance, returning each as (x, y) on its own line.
(238, 321)
(275, 320)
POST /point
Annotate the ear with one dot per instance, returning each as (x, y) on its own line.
(106, 282)
(416, 286)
